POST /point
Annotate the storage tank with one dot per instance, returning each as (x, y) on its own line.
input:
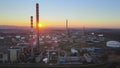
(113, 44)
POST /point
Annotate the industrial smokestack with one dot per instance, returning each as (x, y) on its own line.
(37, 25)
(37, 15)
(31, 22)
(83, 31)
(66, 24)
(31, 19)
(67, 31)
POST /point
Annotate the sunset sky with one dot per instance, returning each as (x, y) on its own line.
(53, 13)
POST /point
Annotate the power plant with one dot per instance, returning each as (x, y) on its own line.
(66, 48)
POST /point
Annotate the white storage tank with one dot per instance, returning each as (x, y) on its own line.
(113, 44)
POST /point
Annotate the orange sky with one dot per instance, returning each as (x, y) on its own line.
(88, 13)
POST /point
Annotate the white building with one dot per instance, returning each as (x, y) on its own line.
(14, 54)
(3, 57)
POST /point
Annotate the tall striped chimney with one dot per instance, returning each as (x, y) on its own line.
(31, 20)
(37, 25)
(67, 30)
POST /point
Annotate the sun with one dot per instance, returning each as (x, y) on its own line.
(40, 25)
